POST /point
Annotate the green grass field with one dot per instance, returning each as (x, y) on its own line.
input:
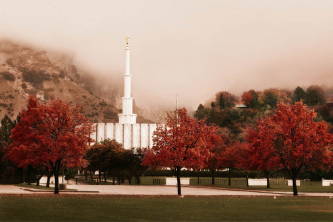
(276, 185)
(94, 208)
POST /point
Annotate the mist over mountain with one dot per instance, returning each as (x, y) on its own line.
(201, 48)
(26, 70)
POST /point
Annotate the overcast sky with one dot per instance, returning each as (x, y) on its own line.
(192, 48)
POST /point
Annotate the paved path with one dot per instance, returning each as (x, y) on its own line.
(156, 191)
(11, 189)
(162, 190)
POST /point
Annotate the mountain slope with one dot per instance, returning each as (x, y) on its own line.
(28, 71)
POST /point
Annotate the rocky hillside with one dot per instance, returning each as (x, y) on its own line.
(27, 71)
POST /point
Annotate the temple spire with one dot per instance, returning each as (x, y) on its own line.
(127, 40)
(127, 116)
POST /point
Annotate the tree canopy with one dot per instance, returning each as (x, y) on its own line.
(52, 135)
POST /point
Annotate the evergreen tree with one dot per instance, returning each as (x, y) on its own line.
(270, 99)
(6, 126)
(8, 172)
(314, 96)
(299, 94)
(201, 112)
(225, 100)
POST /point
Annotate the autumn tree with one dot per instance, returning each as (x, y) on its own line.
(251, 99)
(240, 155)
(214, 144)
(260, 155)
(229, 158)
(291, 138)
(53, 135)
(178, 144)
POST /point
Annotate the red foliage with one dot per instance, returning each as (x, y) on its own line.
(54, 135)
(233, 155)
(250, 98)
(182, 142)
(212, 145)
(261, 154)
(290, 139)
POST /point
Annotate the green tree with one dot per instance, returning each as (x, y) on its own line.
(201, 112)
(5, 130)
(228, 118)
(131, 163)
(225, 100)
(105, 157)
(315, 95)
(8, 171)
(299, 94)
(270, 98)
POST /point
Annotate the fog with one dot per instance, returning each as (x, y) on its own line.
(192, 48)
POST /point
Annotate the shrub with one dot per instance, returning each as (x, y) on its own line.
(36, 78)
(8, 76)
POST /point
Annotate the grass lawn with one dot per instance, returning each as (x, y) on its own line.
(311, 187)
(101, 208)
(276, 185)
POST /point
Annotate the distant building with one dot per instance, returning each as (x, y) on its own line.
(126, 131)
(241, 106)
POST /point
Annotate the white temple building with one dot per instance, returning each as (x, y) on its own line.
(126, 131)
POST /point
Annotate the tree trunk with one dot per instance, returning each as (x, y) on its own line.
(23, 175)
(91, 176)
(48, 178)
(138, 181)
(247, 180)
(179, 189)
(213, 176)
(129, 180)
(85, 175)
(198, 180)
(295, 192)
(268, 183)
(104, 174)
(229, 177)
(29, 175)
(56, 171)
(56, 182)
(99, 176)
(38, 179)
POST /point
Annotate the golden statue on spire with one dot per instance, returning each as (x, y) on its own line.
(127, 39)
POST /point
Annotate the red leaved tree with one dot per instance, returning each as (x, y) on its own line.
(292, 140)
(54, 135)
(182, 142)
(260, 154)
(212, 144)
(229, 158)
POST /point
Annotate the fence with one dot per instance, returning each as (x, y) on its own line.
(219, 181)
